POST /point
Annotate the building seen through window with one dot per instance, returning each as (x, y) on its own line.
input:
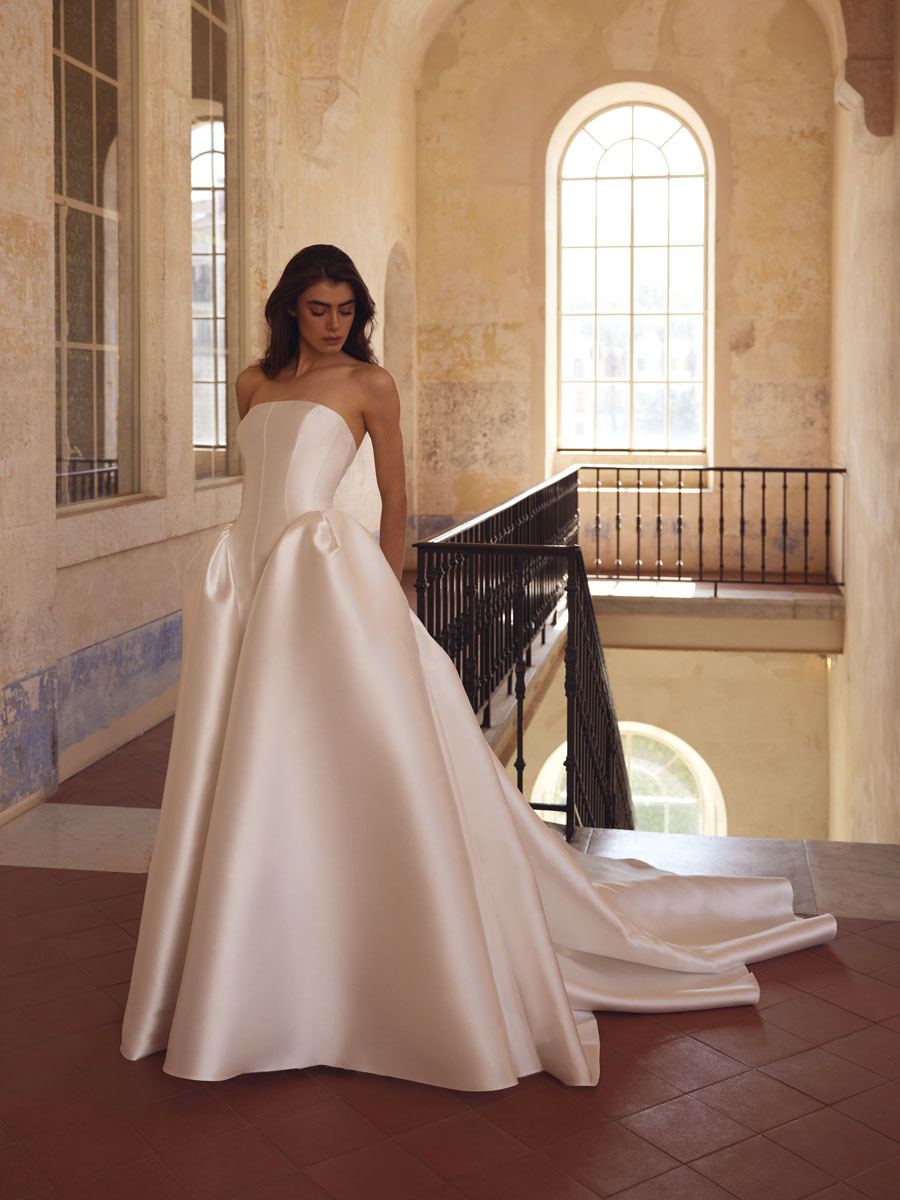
(632, 284)
(213, 240)
(96, 397)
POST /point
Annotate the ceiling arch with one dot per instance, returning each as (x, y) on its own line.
(861, 38)
(339, 31)
(409, 25)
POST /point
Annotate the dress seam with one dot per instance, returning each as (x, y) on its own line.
(315, 491)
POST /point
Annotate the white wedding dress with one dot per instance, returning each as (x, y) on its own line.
(343, 872)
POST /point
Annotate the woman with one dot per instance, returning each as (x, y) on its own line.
(343, 873)
(320, 315)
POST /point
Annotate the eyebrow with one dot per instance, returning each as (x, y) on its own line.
(327, 303)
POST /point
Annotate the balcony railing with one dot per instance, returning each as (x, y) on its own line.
(486, 589)
(79, 479)
(762, 525)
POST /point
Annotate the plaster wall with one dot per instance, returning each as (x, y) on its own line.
(327, 154)
(759, 720)
(865, 684)
(496, 80)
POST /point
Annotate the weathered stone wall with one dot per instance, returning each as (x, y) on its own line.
(328, 155)
(496, 80)
(439, 196)
(865, 680)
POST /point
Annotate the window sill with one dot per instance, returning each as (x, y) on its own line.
(630, 458)
(118, 524)
(212, 482)
(66, 511)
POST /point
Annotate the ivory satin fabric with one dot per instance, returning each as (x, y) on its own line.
(343, 872)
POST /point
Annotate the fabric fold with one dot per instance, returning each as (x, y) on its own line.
(344, 873)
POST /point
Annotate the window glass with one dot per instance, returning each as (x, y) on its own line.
(96, 397)
(214, 308)
(637, 175)
(673, 789)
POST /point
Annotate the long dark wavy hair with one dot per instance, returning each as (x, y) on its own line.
(310, 266)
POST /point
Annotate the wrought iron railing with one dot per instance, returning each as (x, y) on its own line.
(486, 589)
(79, 479)
(770, 525)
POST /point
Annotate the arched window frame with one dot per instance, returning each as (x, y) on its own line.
(590, 105)
(714, 820)
(550, 784)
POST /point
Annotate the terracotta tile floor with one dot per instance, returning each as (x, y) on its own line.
(798, 1098)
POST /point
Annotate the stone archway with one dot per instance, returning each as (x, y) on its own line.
(861, 37)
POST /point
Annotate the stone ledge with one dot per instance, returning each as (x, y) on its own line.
(704, 616)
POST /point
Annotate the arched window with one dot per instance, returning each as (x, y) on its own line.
(214, 233)
(672, 787)
(632, 183)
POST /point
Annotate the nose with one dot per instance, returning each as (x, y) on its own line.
(333, 320)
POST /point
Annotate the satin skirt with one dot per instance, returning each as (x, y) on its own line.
(345, 875)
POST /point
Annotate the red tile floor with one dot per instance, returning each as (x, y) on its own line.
(800, 1097)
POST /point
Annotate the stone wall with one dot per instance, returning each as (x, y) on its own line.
(496, 80)
(865, 683)
(413, 133)
(328, 154)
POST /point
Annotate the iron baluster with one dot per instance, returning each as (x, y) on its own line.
(721, 523)
(638, 562)
(805, 526)
(680, 561)
(658, 523)
(520, 670)
(784, 525)
(742, 526)
(762, 530)
(827, 528)
(596, 520)
(700, 523)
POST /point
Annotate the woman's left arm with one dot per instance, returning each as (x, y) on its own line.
(381, 413)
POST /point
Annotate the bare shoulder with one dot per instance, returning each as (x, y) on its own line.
(246, 384)
(377, 381)
(380, 400)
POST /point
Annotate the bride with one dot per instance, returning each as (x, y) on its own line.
(343, 873)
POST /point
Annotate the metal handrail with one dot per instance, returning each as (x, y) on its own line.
(486, 589)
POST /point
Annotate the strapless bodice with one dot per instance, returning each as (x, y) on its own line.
(295, 454)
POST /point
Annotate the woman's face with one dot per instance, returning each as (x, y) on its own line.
(325, 315)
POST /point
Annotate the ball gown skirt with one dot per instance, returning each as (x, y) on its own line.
(343, 872)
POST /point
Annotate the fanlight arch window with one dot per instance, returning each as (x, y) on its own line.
(672, 786)
(632, 298)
